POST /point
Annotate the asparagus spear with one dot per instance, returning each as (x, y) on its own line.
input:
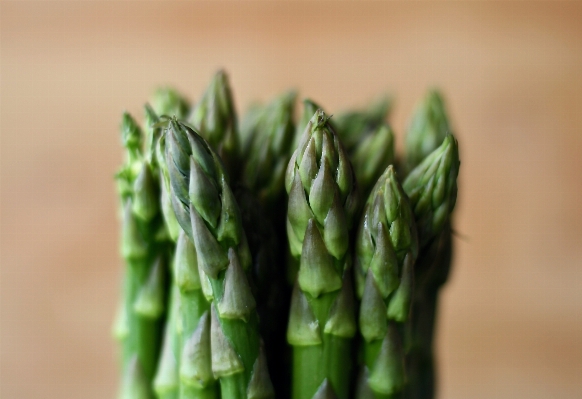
(187, 344)
(214, 117)
(428, 128)
(386, 248)
(322, 200)
(168, 101)
(353, 125)
(207, 211)
(369, 141)
(166, 382)
(196, 379)
(309, 108)
(432, 188)
(249, 126)
(145, 274)
(432, 266)
(372, 155)
(267, 156)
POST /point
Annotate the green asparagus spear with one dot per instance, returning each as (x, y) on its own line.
(369, 141)
(268, 154)
(146, 260)
(171, 222)
(432, 188)
(249, 126)
(196, 378)
(352, 126)
(207, 211)
(309, 108)
(386, 248)
(427, 130)
(433, 266)
(189, 340)
(322, 200)
(166, 381)
(372, 155)
(168, 101)
(214, 117)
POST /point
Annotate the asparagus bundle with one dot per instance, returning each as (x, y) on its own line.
(204, 203)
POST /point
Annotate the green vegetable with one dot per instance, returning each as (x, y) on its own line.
(268, 153)
(183, 365)
(386, 248)
(249, 126)
(432, 188)
(372, 155)
(207, 211)
(322, 200)
(214, 117)
(140, 322)
(168, 101)
(167, 382)
(352, 126)
(427, 130)
(215, 307)
(432, 269)
(309, 108)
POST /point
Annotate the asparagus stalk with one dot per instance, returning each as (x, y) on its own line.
(433, 266)
(249, 126)
(353, 125)
(369, 141)
(268, 153)
(166, 382)
(432, 188)
(428, 128)
(196, 379)
(207, 211)
(309, 108)
(168, 101)
(372, 155)
(214, 117)
(146, 258)
(188, 340)
(386, 248)
(322, 200)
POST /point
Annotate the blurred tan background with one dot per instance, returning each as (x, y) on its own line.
(511, 321)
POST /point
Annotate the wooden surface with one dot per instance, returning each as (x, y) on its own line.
(511, 322)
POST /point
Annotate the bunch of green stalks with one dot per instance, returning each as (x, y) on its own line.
(290, 255)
